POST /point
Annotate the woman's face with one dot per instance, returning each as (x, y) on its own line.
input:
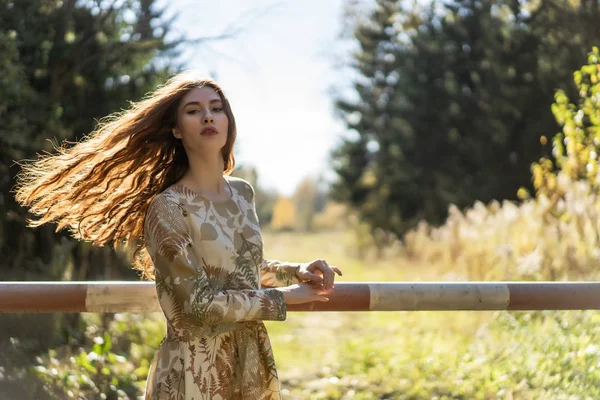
(202, 124)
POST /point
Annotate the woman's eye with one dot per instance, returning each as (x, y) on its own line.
(192, 112)
(217, 109)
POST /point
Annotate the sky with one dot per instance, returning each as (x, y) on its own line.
(278, 72)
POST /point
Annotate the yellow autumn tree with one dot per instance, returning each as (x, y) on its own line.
(284, 214)
(305, 198)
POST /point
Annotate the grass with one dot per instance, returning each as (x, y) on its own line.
(426, 355)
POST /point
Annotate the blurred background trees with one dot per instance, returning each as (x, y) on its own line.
(448, 104)
(64, 64)
(454, 107)
(450, 100)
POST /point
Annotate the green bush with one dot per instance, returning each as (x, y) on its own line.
(111, 366)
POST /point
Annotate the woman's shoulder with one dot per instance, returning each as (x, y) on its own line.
(164, 203)
(242, 186)
(235, 180)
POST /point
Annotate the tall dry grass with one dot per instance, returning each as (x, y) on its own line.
(538, 239)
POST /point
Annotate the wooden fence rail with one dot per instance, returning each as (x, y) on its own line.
(140, 297)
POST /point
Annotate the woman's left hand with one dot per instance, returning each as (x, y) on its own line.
(318, 272)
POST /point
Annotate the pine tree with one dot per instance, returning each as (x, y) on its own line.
(451, 101)
(64, 65)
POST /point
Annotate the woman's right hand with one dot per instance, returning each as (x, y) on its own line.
(303, 293)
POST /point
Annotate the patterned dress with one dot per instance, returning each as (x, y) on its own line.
(215, 288)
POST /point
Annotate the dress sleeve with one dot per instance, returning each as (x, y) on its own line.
(276, 273)
(183, 278)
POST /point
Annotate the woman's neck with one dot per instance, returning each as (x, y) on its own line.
(205, 175)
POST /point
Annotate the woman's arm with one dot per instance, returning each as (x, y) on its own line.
(275, 273)
(318, 272)
(185, 279)
(190, 287)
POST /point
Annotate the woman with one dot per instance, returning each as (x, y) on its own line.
(156, 178)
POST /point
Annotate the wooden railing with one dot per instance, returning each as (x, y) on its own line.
(140, 297)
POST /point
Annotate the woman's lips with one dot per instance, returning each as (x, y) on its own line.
(209, 132)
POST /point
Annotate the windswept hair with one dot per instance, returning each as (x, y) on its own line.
(100, 188)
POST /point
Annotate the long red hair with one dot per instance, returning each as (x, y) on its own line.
(100, 188)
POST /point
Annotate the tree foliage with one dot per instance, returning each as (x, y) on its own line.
(449, 103)
(284, 214)
(63, 65)
(576, 147)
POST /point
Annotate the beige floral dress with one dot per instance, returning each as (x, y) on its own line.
(215, 288)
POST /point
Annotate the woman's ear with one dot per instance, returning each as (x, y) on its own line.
(176, 133)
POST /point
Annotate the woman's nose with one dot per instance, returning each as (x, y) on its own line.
(208, 119)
